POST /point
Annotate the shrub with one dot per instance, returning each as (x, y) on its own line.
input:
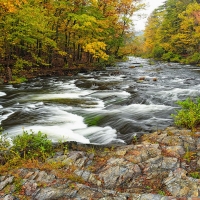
(31, 146)
(17, 80)
(4, 147)
(189, 114)
(170, 56)
(195, 175)
(176, 58)
(195, 58)
(158, 51)
(26, 146)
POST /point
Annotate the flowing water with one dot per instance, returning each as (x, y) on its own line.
(103, 107)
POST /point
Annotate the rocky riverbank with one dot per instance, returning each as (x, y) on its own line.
(6, 76)
(163, 165)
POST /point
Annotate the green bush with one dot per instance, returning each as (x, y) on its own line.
(32, 146)
(189, 114)
(195, 175)
(158, 52)
(176, 58)
(195, 58)
(170, 56)
(26, 146)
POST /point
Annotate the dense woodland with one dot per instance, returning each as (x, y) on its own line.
(44, 34)
(38, 36)
(172, 33)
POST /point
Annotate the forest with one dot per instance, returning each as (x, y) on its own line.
(48, 37)
(172, 33)
(39, 35)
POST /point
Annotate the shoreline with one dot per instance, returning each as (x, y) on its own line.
(47, 72)
(161, 165)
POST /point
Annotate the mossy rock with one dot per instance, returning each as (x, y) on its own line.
(73, 102)
(93, 120)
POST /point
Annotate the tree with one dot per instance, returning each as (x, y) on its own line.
(36, 34)
(152, 39)
(189, 35)
(172, 32)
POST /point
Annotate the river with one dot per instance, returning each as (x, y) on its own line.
(111, 106)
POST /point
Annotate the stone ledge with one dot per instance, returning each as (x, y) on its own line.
(163, 165)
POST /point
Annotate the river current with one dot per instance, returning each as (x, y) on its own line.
(111, 106)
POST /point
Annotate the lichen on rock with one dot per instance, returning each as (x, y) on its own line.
(163, 165)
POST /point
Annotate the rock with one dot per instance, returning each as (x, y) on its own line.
(172, 141)
(141, 153)
(94, 179)
(153, 150)
(9, 197)
(30, 187)
(80, 162)
(188, 142)
(117, 172)
(42, 176)
(85, 192)
(54, 193)
(5, 181)
(83, 84)
(174, 151)
(84, 174)
(198, 163)
(142, 78)
(150, 196)
(154, 79)
(35, 174)
(120, 152)
(198, 144)
(180, 185)
(153, 164)
(140, 171)
(169, 163)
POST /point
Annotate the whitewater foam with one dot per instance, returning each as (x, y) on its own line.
(2, 94)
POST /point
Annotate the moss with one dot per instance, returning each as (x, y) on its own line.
(195, 175)
(93, 120)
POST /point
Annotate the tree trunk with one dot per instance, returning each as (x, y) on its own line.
(9, 74)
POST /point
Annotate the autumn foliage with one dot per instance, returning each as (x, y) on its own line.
(62, 33)
(173, 32)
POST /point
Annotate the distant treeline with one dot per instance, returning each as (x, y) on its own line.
(173, 33)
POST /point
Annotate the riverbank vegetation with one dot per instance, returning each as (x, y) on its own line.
(189, 114)
(26, 146)
(172, 33)
(37, 36)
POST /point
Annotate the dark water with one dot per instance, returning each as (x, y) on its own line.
(115, 103)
